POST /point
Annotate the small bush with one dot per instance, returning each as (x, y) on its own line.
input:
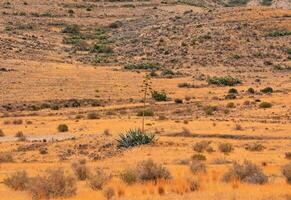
(81, 170)
(230, 96)
(178, 101)
(279, 33)
(142, 66)
(251, 90)
(98, 179)
(17, 181)
(17, 121)
(92, 115)
(73, 29)
(288, 155)
(255, 147)
(267, 90)
(230, 105)
(129, 176)
(198, 157)
(198, 167)
(146, 113)
(286, 171)
(1, 133)
(150, 171)
(108, 192)
(246, 172)
(63, 128)
(225, 147)
(265, 105)
(232, 91)
(193, 185)
(209, 110)
(224, 81)
(159, 95)
(201, 146)
(54, 185)
(134, 137)
(19, 134)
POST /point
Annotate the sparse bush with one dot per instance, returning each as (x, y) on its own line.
(142, 66)
(129, 176)
(288, 155)
(81, 170)
(246, 172)
(17, 181)
(279, 33)
(267, 90)
(150, 171)
(232, 91)
(225, 147)
(198, 157)
(201, 146)
(92, 115)
(5, 157)
(146, 113)
(255, 147)
(19, 134)
(135, 137)
(108, 192)
(98, 179)
(73, 29)
(265, 105)
(230, 96)
(286, 171)
(238, 127)
(230, 105)
(54, 185)
(1, 133)
(17, 121)
(63, 128)
(43, 150)
(209, 110)
(101, 48)
(193, 185)
(159, 95)
(198, 167)
(225, 81)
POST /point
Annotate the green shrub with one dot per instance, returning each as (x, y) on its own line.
(246, 172)
(159, 95)
(101, 48)
(209, 110)
(142, 66)
(178, 101)
(63, 128)
(251, 90)
(265, 105)
(267, 90)
(279, 33)
(134, 137)
(224, 80)
(266, 2)
(232, 91)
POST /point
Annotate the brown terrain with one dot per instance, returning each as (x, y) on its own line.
(72, 74)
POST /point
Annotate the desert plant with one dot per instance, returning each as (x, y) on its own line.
(224, 80)
(108, 192)
(267, 90)
(92, 115)
(145, 113)
(265, 105)
(129, 176)
(63, 128)
(19, 134)
(209, 110)
(150, 171)
(178, 101)
(288, 155)
(98, 179)
(201, 146)
(198, 167)
(254, 147)
(230, 105)
(232, 91)
(135, 137)
(198, 157)
(72, 29)
(286, 171)
(142, 66)
(80, 169)
(225, 147)
(1, 133)
(159, 95)
(17, 181)
(246, 172)
(251, 90)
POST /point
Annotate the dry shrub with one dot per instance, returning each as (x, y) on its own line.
(17, 181)
(255, 147)
(19, 134)
(1, 133)
(150, 171)
(246, 172)
(17, 121)
(202, 146)
(220, 161)
(225, 147)
(97, 180)
(288, 155)
(81, 170)
(108, 192)
(194, 185)
(286, 171)
(6, 157)
(198, 157)
(129, 176)
(63, 128)
(198, 167)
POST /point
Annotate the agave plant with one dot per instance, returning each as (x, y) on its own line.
(135, 137)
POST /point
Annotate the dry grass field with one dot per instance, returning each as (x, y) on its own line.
(217, 117)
